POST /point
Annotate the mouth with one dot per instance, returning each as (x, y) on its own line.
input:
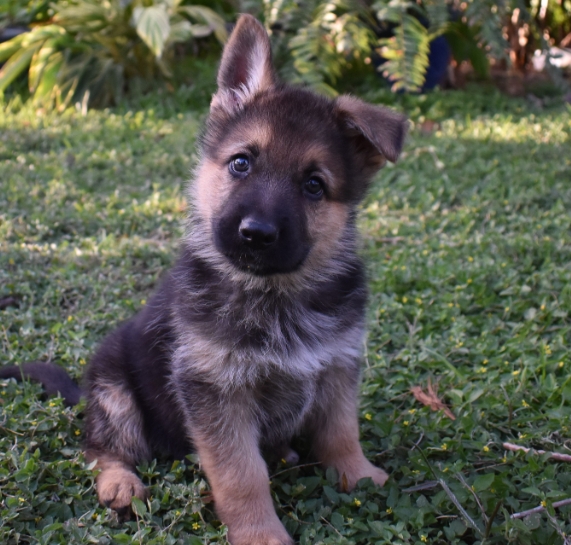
(258, 266)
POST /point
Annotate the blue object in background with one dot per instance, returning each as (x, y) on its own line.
(438, 60)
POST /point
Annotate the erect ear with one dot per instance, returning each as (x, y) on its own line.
(246, 66)
(378, 133)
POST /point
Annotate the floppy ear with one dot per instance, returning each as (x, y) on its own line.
(246, 66)
(378, 133)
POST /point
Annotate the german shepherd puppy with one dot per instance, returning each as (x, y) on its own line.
(255, 335)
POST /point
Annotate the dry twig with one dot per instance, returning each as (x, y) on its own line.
(553, 455)
(540, 508)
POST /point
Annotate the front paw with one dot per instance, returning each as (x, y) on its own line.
(116, 487)
(268, 534)
(350, 474)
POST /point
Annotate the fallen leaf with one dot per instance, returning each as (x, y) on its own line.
(430, 399)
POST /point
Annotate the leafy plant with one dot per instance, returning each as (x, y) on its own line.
(407, 51)
(22, 12)
(318, 42)
(91, 49)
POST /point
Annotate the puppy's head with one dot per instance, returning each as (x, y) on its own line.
(283, 168)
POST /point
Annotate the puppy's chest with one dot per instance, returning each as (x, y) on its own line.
(246, 348)
(280, 404)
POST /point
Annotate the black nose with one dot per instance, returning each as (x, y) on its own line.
(258, 233)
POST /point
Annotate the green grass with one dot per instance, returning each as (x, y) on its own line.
(468, 241)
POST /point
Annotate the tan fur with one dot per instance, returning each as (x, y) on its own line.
(240, 485)
(337, 445)
(326, 227)
(116, 483)
(210, 189)
(213, 183)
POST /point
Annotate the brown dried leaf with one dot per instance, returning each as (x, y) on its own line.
(430, 399)
(344, 483)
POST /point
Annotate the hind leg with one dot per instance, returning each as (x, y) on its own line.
(116, 439)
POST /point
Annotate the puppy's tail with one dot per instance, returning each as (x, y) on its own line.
(51, 376)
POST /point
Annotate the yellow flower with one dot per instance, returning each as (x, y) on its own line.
(542, 307)
(406, 423)
(486, 448)
(543, 503)
(524, 403)
(504, 459)
(504, 265)
(52, 404)
(81, 361)
(34, 422)
(284, 461)
(418, 301)
(195, 525)
(470, 259)
(485, 362)
(506, 362)
(516, 372)
(143, 301)
(357, 502)
(469, 280)
(412, 411)
(69, 318)
(77, 432)
(405, 299)
(507, 309)
(368, 416)
(389, 510)
(444, 446)
(21, 500)
(560, 364)
(547, 349)
(450, 305)
(423, 538)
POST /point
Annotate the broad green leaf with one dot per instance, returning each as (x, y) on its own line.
(39, 62)
(7, 49)
(16, 65)
(153, 27)
(138, 506)
(483, 482)
(211, 19)
(180, 32)
(48, 80)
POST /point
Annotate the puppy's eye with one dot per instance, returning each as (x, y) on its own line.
(240, 164)
(314, 187)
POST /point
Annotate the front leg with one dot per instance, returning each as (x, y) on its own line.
(334, 429)
(226, 439)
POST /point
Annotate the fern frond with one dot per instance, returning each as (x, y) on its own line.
(407, 54)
